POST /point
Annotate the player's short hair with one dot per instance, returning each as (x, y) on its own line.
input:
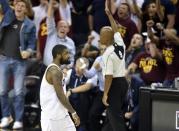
(58, 49)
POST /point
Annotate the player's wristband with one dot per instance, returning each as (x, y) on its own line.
(74, 113)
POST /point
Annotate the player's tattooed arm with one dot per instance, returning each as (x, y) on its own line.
(56, 78)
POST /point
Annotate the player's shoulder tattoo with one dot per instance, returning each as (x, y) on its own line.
(54, 71)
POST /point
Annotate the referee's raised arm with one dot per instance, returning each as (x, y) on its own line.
(109, 14)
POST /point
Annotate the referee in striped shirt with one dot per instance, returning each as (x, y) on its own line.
(116, 85)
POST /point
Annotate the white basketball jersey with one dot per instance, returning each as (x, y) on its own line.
(51, 107)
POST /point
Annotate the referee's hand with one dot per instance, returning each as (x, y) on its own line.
(105, 97)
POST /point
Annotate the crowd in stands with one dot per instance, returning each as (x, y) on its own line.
(149, 28)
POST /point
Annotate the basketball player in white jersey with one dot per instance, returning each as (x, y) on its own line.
(54, 104)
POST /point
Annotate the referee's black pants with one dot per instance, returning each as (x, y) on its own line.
(116, 97)
(95, 112)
